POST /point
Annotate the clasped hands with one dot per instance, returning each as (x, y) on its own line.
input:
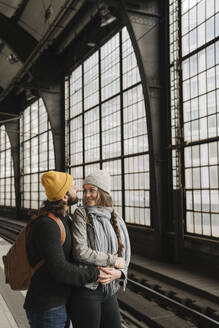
(108, 274)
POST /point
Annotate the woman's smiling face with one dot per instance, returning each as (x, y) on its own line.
(91, 194)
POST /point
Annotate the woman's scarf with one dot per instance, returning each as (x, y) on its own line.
(107, 242)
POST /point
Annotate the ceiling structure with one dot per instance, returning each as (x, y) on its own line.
(41, 41)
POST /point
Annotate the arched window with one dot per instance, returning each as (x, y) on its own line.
(37, 153)
(106, 125)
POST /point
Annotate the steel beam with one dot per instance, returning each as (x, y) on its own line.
(16, 38)
(54, 103)
(146, 32)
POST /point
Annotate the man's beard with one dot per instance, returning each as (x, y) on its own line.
(72, 200)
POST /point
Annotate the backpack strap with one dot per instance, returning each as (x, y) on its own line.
(37, 266)
(61, 226)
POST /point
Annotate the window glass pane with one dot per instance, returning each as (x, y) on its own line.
(135, 128)
(129, 64)
(210, 29)
(137, 186)
(201, 61)
(111, 128)
(76, 141)
(77, 173)
(114, 167)
(91, 81)
(201, 30)
(92, 142)
(110, 68)
(73, 92)
(200, 12)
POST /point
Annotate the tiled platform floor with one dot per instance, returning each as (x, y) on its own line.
(12, 314)
(6, 318)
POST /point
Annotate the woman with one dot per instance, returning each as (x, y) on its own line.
(100, 237)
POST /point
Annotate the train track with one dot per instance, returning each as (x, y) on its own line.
(149, 302)
(160, 304)
(159, 310)
(9, 230)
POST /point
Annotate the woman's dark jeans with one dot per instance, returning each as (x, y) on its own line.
(94, 309)
(52, 318)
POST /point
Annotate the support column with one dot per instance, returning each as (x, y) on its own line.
(54, 102)
(12, 129)
(148, 34)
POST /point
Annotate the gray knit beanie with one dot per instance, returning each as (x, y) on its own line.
(100, 179)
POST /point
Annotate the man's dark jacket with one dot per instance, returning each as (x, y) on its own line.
(50, 285)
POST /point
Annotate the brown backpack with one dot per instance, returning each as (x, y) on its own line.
(18, 271)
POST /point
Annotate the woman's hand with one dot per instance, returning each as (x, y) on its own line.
(120, 263)
(108, 274)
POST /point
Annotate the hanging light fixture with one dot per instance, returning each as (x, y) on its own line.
(12, 59)
(106, 16)
(48, 13)
(91, 44)
(29, 95)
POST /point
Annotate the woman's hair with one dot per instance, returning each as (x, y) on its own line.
(105, 200)
(57, 208)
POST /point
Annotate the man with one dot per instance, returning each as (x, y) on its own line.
(49, 289)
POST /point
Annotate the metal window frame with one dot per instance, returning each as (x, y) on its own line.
(119, 94)
(183, 145)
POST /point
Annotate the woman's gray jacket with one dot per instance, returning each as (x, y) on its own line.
(92, 232)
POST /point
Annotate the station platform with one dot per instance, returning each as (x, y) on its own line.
(12, 314)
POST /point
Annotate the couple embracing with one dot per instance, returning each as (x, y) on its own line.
(84, 274)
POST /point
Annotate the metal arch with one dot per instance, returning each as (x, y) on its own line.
(54, 104)
(153, 93)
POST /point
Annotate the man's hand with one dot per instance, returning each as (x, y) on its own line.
(108, 274)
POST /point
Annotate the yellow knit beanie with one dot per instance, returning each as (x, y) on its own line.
(56, 184)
